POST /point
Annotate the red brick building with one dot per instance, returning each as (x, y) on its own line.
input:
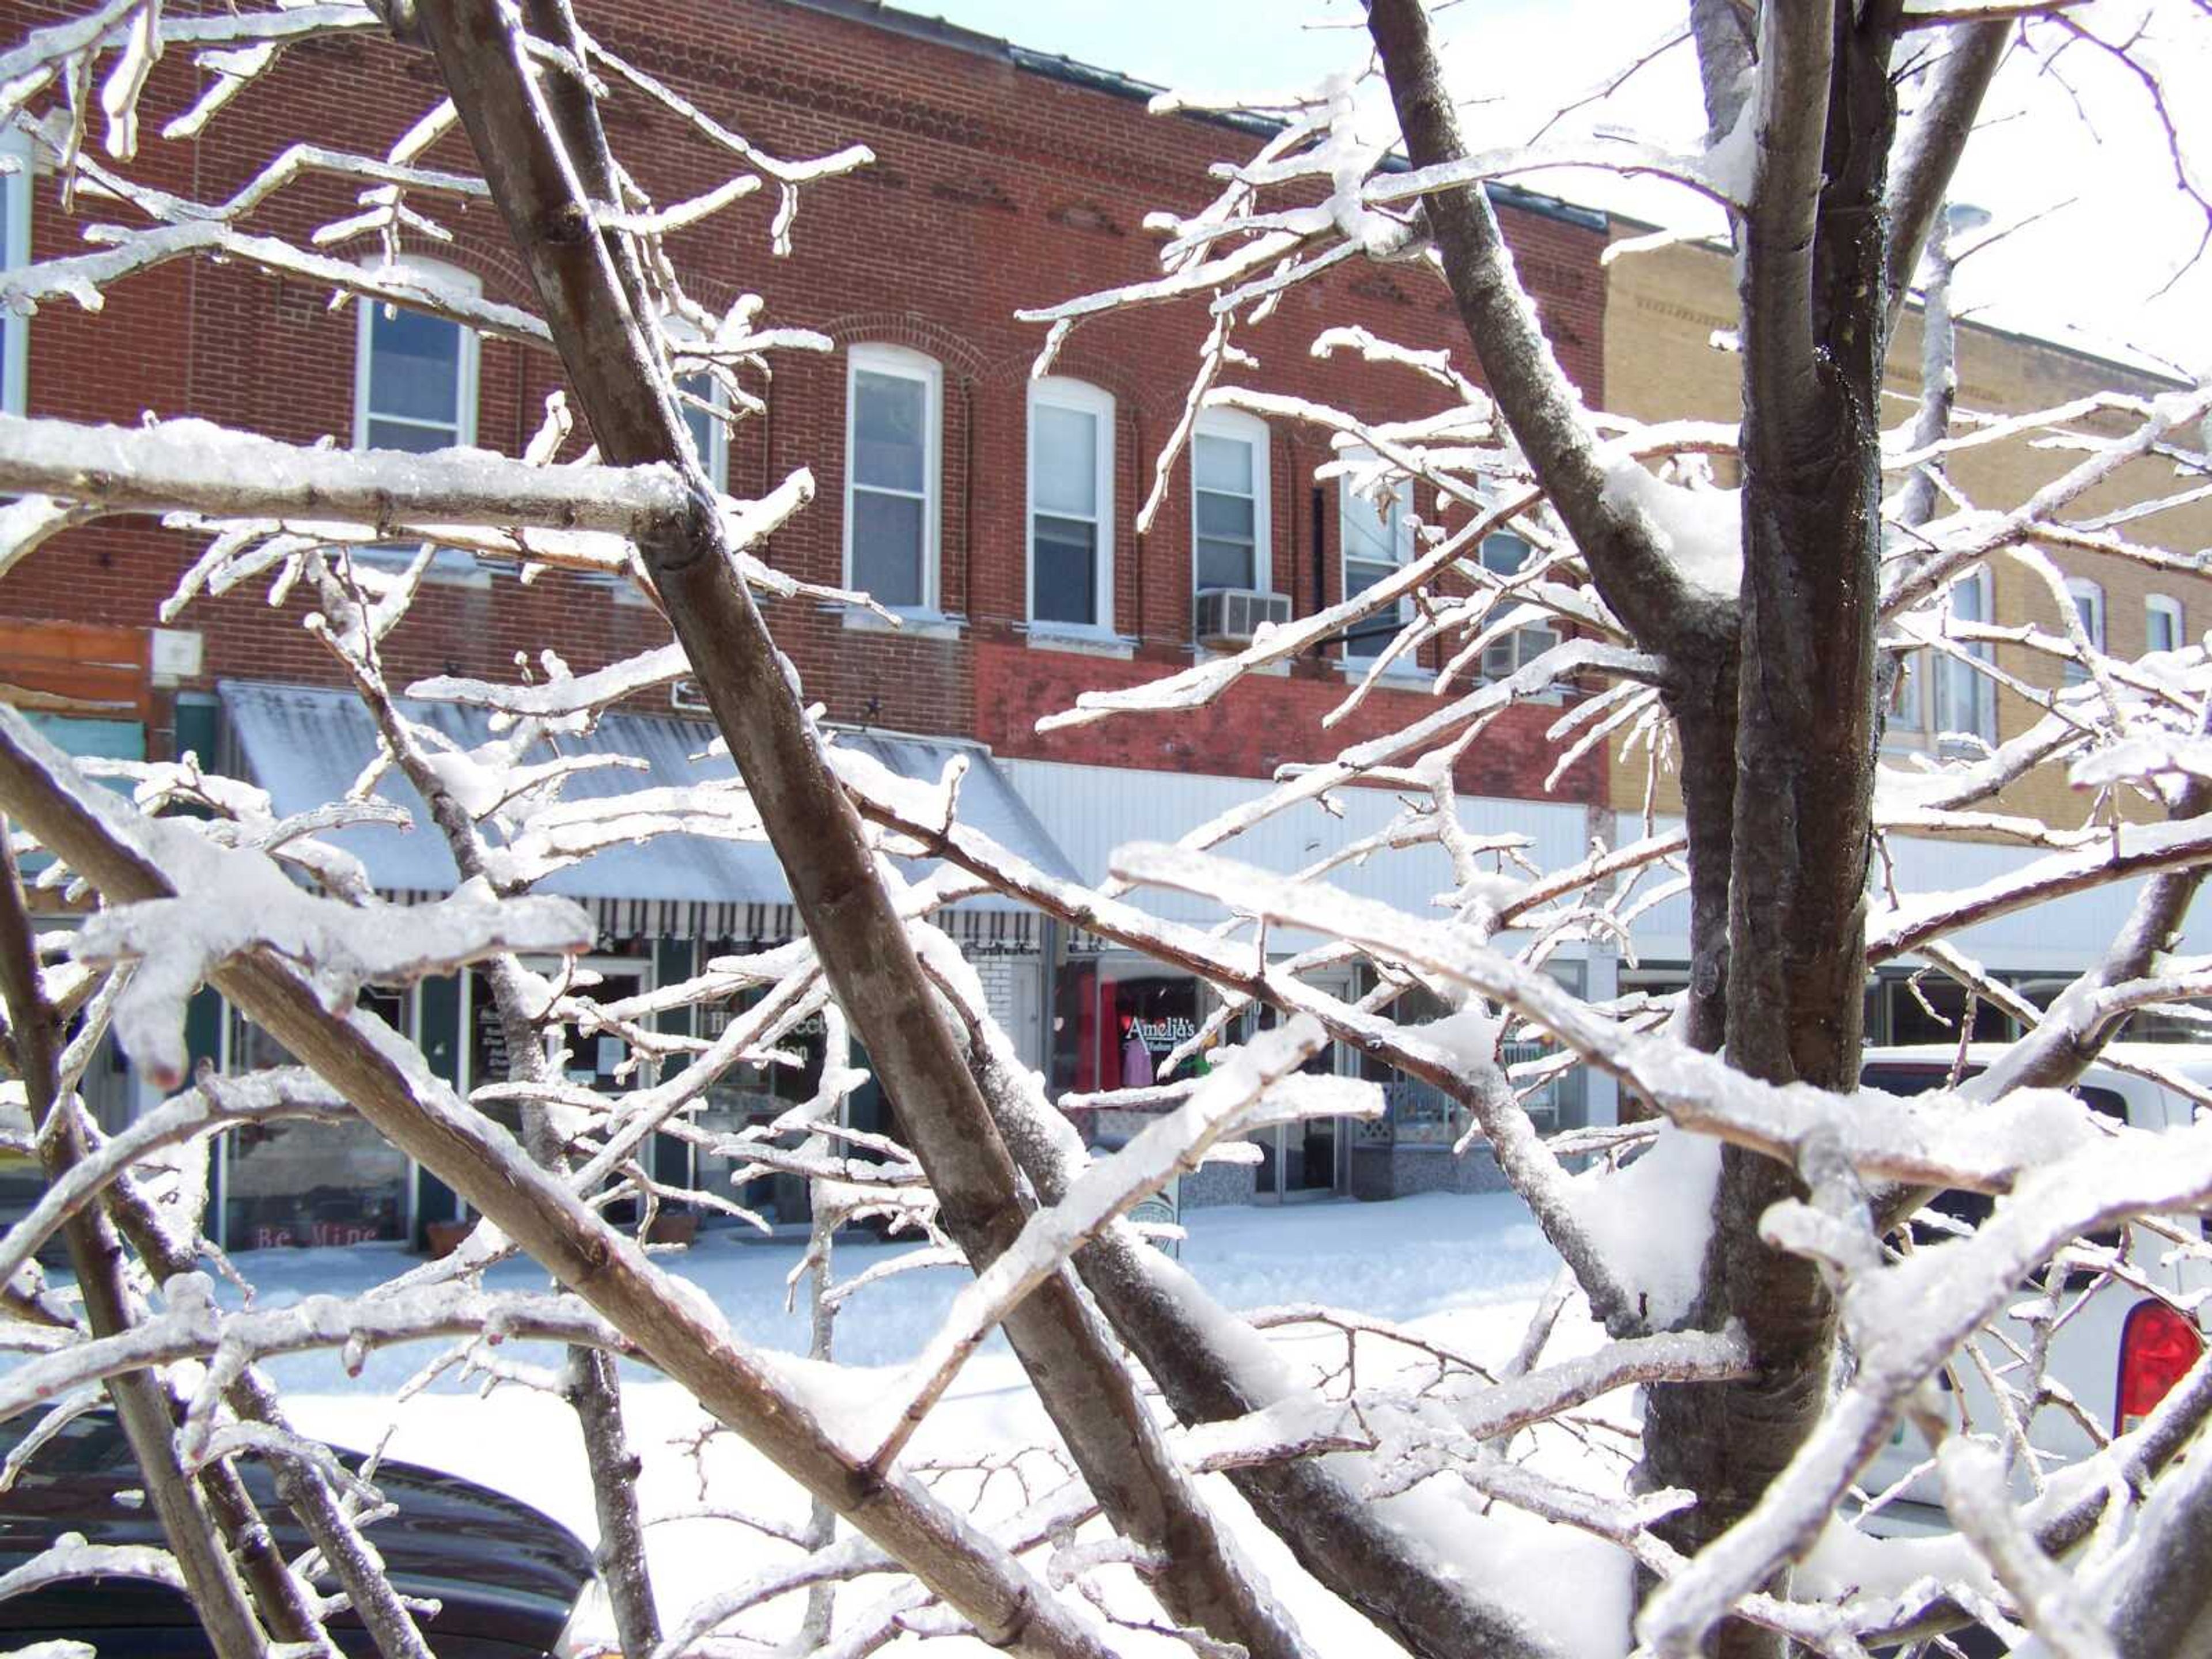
(998, 513)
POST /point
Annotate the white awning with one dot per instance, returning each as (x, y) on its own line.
(2061, 935)
(307, 745)
(1089, 810)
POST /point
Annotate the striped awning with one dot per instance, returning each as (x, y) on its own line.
(307, 745)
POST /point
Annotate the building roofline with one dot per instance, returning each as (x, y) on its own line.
(1070, 71)
(2138, 365)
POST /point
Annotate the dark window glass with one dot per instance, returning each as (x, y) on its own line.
(1065, 570)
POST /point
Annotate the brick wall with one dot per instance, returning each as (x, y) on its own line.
(995, 187)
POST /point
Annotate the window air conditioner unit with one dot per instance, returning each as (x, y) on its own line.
(1502, 658)
(1233, 615)
(688, 697)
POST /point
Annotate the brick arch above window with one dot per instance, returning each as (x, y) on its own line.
(961, 358)
(498, 277)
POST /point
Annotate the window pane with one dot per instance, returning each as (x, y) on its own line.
(2090, 607)
(1362, 574)
(2164, 629)
(313, 1183)
(414, 367)
(1966, 601)
(1368, 534)
(1224, 564)
(887, 547)
(1065, 465)
(1067, 571)
(699, 423)
(1367, 637)
(1222, 463)
(1504, 555)
(1227, 518)
(1905, 701)
(401, 435)
(1960, 698)
(889, 420)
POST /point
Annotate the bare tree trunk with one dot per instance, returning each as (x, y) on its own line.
(1803, 827)
(34, 1038)
(593, 1392)
(866, 955)
(1705, 725)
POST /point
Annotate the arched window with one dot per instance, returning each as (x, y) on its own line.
(415, 388)
(1230, 532)
(1374, 534)
(1071, 507)
(894, 412)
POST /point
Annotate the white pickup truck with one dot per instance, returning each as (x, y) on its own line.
(2115, 1349)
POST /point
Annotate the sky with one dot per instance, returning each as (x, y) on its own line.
(2072, 161)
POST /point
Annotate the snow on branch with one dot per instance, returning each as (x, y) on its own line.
(285, 1093)
(192, 1326)
(1930, 1139)
(71, 1556)
(562, 695)
(81, 276)
(1229, 1100)
(232, 902)
(197, 466)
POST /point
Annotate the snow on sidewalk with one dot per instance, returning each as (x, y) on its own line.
(1468, 1268)
(1412, 1259)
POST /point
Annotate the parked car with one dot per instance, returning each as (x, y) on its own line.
(2118, 1351)
(508, 1577)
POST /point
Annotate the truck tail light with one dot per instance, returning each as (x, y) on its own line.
(2157, 1348)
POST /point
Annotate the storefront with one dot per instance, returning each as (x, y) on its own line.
(1118, 1021)
(662, 910)
(303, 1183)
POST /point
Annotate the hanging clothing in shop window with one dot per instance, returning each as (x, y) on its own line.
(1136, 1057)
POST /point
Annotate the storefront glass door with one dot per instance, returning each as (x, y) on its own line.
(1308, 1160)
(307, 1183)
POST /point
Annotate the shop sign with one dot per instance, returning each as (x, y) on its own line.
(317, 1234)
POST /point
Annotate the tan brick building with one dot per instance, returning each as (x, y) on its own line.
(1664, 308)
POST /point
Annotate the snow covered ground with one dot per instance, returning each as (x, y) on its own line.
(1466, 1268)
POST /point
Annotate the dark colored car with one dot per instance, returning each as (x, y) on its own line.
(508, 1576)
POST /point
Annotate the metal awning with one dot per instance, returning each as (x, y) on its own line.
(307, 745)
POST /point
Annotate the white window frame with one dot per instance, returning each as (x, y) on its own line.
(1058, 392)
(904, 364)
(1929, 681)
(464, 430)
(678, 331)
(448, 564)
(1522, 655)
(1944, 671)
(716, 460)
(1238, 427)
(14, 254)
(2079, 589)
(2164, 605)
(1349, 501)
